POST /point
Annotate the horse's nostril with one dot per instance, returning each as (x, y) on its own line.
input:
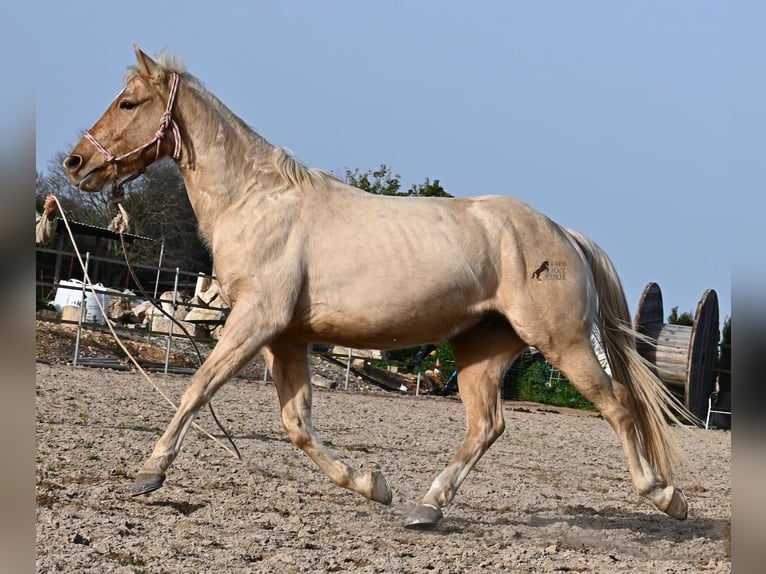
(72, 162)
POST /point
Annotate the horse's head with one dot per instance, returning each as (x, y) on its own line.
(137, 129)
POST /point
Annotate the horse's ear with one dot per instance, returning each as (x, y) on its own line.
(146, 66)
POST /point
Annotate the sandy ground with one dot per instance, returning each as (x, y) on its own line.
(552, 494)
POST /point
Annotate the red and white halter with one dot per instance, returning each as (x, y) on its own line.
(166, 122)
(120, 222)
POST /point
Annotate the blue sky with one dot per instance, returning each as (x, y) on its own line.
(640, 124)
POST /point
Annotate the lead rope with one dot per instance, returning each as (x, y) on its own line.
(130, 356)
(121, 222)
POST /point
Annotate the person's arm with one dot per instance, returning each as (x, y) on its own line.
(46, 225)
(44, 230)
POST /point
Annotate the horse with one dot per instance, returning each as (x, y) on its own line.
(302, 258)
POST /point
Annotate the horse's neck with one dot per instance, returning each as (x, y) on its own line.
(223, 158)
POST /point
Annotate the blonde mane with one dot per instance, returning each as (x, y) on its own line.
(286, 166)
(297, 174)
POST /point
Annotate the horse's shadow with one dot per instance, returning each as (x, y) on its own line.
(185, 508)
(652, 526)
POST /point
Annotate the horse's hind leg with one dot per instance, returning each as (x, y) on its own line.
(611, 397)
(482, 354)
(289, 367)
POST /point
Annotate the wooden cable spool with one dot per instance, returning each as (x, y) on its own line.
(684, 357)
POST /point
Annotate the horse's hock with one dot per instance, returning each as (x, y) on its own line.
(684, 356)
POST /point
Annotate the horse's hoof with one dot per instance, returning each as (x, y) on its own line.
(678, 507)
(146, 483)
(381, 491)
(424, 517)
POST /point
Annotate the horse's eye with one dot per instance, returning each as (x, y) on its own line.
(127, 105)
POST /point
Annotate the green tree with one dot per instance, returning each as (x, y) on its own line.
(380, 181)
(383, 181)
(428, 189)
(685, 318)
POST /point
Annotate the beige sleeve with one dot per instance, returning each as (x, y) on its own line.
(44, 230)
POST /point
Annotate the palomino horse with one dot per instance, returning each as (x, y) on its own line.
(302, 257)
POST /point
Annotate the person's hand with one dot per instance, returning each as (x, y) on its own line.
(50, 207)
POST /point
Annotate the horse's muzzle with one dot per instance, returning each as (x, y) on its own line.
(90, 181)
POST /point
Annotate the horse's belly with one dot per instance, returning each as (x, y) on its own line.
(385, 325)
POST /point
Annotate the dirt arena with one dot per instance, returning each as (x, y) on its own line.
(552, 495)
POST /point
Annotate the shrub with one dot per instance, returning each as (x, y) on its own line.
(535, 380)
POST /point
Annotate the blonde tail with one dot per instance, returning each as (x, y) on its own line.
(650, 401)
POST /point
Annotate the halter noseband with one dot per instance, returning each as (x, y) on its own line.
(166, 122)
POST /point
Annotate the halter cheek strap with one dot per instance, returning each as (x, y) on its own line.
(166, 121)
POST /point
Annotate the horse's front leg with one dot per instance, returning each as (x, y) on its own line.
(290, 369)
(239, 343)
